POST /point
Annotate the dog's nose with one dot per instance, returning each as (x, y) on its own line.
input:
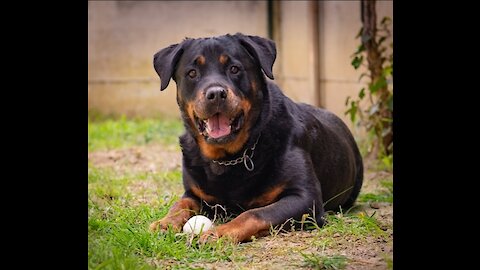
(216, 94)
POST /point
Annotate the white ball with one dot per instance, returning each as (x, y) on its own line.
(197, 224)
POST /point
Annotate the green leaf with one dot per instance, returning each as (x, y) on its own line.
(359, 33)
(390, 103)
(381, 40)
(346, 101)
(352, 111)
(360, 49)
(387, 71)
(380, 83)
(357, 61)
(387, 120)
(386, 20)
(361, 94)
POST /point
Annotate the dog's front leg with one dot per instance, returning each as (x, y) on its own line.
(257, 222)
(178, 214)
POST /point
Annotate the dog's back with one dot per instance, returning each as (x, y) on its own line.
(334, 154)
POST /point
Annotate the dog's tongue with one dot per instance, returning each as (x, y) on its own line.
(218, 126)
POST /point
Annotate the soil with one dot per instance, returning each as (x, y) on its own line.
(282, 251)
(150, 158)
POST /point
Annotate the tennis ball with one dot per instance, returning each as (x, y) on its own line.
(197, 224)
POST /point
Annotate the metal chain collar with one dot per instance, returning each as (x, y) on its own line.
(246, 159)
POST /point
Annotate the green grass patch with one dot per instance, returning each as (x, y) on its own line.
(389, 260)
(356, 224)
(324, 262)
(121, 240)
(106, 186)
(370, 197)
(120, 133)
(340, 227)
(352, 225)
(118, 235)
(384, 195)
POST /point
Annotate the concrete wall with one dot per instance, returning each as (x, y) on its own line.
(339, 24)
(294, 68)
(124, 36)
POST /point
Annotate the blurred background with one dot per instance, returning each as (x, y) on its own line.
(315, 41)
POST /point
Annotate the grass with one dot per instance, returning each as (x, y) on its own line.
(121, 133)
(121, 205)
(324, 262)
(118, 230)
(119, 239)
(383, 195)
(358, 224)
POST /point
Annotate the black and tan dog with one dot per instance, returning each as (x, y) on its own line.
(248, 147)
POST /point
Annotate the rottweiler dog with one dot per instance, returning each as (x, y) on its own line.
(248, 148)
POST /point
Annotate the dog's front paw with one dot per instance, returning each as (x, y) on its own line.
(163, 224)
(209, 236)
(214, 234)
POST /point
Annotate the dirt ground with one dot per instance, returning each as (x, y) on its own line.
(282, 251)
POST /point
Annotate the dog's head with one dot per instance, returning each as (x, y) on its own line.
(219, 87)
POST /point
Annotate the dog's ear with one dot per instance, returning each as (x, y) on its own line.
(262, 49)
(165, 62)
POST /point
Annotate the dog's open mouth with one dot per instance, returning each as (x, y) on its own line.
(219, 125)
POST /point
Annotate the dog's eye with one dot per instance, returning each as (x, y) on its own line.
(234, 69)
(192, 73)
